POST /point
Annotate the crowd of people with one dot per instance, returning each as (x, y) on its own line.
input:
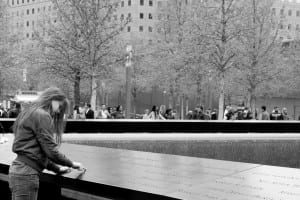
(244, 113)
(163, 113)
(104, 112)
(10, 112)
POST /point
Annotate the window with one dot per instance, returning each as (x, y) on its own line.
(27, 1)
(27, 35)
(141, 28)
(141, 15)
(12, 2)
(159, 17)
(122, 17)
(297, 27)
(27, 11)
(281, 11)
(150, 29)
(38, 10)
(150, 3)
(274, 11)
(129, 16)
(281, 26)
(298, 13)
(129, 2)
(17, 1)
(32, 10)
(32, 23)
(122, 4)
(128, 28)
(141, 2)
(159, 4)
(22, 1)
(150, 16)
(49, 8)
(289, 27)
(290, 12)
(27, 23)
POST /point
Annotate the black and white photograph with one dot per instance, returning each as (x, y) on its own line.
(149, 99)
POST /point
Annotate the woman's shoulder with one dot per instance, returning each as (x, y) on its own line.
(41, 113)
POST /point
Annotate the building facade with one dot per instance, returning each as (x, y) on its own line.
(25, 16)
(288, 12)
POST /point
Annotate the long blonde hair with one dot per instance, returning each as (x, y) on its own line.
(44, 102)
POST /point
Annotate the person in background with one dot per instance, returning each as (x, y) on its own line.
(264, 115)
(154, 113)
(110, 111)
(119, 113)
(89, 113)
(3, 112)
(38, 131)
(162, 112)
(168, 114)
(76, 113)
(227, 108)
(285, 115)
(276, 115)
(214, 114)
(146, 114)
(189, 115)
(15, 111)
(103, 113)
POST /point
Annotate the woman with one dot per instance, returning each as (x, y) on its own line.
(119, 113)
(155, 114)
(35, 144)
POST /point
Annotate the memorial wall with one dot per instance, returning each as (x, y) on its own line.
(125, 174)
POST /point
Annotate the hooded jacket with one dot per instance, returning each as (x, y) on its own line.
(35, 145)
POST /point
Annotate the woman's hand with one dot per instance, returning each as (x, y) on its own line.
(63, 170)
(77, 165)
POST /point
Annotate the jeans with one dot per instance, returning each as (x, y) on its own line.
(23, 181)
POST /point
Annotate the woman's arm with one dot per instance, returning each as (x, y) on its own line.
(44, 135)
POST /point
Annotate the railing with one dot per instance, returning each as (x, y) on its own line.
(172, 126)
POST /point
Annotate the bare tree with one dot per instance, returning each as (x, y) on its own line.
(83, 41)
(223, 19)
(259, 49)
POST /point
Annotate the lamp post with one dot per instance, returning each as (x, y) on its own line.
(209, 89)
(165, 100)
(128, 65)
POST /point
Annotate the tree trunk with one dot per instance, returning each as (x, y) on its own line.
(134, 107)
(134, 95)
(77, 90)
(221, 97)
(94, 92)
(182, 107)
(199, 93)
(252, 101)
(186, 105)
